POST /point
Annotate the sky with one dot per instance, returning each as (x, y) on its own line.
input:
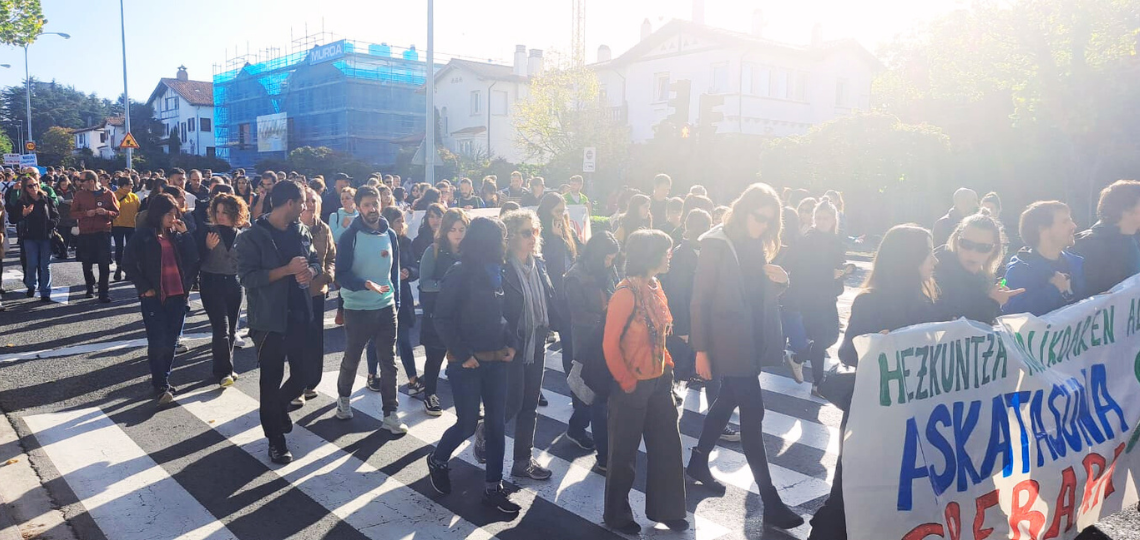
(201, 34)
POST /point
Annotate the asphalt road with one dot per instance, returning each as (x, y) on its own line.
(74, 379)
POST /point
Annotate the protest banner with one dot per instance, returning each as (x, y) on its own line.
(579, 219)
(1026, 430)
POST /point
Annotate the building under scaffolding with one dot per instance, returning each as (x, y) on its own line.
(353, 97)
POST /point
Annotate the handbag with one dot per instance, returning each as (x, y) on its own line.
(838, 385)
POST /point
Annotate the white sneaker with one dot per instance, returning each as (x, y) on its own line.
(181, 347)
(299, 402)
(239, 342)
(796, 368)
(393, 424)
(227, 381)
(343, 408)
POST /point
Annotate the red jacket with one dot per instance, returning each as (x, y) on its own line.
(91, 200)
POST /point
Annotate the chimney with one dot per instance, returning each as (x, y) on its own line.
(534, 63)
(182, 75)
(520, 60)
(699, 11)
(646, 29)
(604, 53)
(759, 22)
(817, 35)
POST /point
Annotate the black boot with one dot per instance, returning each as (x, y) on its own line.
(698, 470)
(777, 514)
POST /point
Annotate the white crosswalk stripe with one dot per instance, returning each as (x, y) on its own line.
(117, 482)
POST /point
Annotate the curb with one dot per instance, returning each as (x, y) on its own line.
(8, 528)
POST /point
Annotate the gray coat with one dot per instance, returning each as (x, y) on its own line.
(268, 302)
(722, 322)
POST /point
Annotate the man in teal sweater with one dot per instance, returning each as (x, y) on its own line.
(368, 271)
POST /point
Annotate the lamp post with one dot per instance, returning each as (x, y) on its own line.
(28, 78)
(126, 96)
(429, 125)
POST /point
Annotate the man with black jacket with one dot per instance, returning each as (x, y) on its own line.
(276, 263)
(965, 203)
(1110, 248)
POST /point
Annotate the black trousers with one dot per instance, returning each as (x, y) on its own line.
(315, 358)
(743, 392)
(221, 296)
(273, 351)
(95, 248)
(830, 521)
(121, 235)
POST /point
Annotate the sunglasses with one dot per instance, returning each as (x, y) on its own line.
(976, 247)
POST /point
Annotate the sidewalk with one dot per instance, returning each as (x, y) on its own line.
(26, 510)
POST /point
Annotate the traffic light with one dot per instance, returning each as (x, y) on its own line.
(710, 114)
(680, 95)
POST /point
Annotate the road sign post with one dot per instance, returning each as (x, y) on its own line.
(30, 146)
(589, 159)
(129, 142)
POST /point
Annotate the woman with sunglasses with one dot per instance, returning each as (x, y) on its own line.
(900, 292)
(35, 216)
(735, 329)
(965, 272)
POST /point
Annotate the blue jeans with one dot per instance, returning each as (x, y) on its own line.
(487, 384)
(38, 255)
(793, 323)
(163, 322)
(404, 347)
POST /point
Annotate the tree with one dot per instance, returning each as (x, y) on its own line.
(53, 104)
(20, 21)
(56, 144)
(1036, 94)
(885, 168)
(5, 144)
(561, 116)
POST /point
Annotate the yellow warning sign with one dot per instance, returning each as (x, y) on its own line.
(129, 142)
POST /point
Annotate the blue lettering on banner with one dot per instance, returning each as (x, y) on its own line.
(325, 53)
(1079, 414)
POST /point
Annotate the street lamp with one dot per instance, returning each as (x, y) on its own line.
(28, 77)
(126, 96)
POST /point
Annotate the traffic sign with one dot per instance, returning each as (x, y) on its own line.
(589, 158)
(129, 142)
(30, 146)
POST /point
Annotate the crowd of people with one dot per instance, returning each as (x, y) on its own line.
(682, 293)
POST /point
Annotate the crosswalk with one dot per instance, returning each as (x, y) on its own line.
(200, 470)
(349, 476)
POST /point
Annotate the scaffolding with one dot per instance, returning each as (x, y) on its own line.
(351, 96)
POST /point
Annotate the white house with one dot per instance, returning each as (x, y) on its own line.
(102, 139)
(767, 87)
(476, 101)
(186, 108)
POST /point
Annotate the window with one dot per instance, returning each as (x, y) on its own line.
(602, 93)
(476, 102)
(244, 135)
(466, 148)
(443, 120)
(211, 151)
(800, 93)
(719, 79)
(499, 103)
(747, 73)
(191, 124)
(184, 131)
(661, 87)
(102, 136)
(841, 93)
(780, 84)
(79, 141)
(171, 104)
(204, 124)
(764, 82)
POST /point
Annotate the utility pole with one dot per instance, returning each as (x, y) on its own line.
(126, 96)
(429, 75)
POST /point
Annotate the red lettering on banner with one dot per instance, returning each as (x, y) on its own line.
(982, 503)
(1066, 504)
(1024, 512)
(954, 520)
(1103, 477)
(925, 530)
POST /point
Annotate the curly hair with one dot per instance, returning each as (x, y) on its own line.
(229, 205)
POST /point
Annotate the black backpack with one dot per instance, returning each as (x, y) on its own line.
(595, 373)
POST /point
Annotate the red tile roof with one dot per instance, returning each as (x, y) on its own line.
(197, 93)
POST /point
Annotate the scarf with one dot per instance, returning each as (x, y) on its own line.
(534, 317)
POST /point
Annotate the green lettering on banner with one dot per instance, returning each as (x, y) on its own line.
(1131, 327)
(1109, 324)
(898, 374)
(921, 392)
